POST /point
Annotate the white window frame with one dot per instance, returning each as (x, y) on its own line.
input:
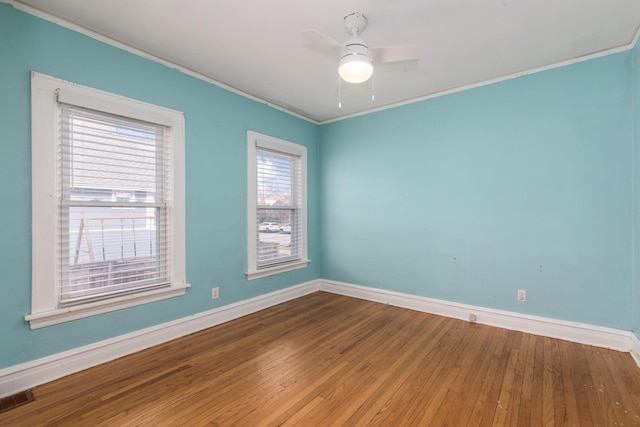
(45, 309)
(254, 142)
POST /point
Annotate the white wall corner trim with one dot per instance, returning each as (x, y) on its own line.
(597, 336)
(30, 374)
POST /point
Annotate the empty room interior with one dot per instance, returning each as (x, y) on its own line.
(332, 213)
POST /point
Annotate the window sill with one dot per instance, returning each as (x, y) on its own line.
(270, 271)
(53, 317)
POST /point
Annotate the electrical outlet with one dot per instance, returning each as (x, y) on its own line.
(522, 295)
(215, 293)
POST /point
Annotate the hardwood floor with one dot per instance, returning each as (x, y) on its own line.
(330, 360)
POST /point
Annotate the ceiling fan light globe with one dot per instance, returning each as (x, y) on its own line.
(355, 69)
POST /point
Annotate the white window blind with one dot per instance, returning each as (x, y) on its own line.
(279, 204)
(114, 181)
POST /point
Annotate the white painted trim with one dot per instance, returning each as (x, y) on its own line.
(597, 336)
(31, 374)
(46, 91)
(97, 36)
(272, 271)
(634, 41)
(104, 39)
(53, 317)
(595, 55)
(255, 142)
(635, 348)
(40, 371)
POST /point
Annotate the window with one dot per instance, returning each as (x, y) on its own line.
(108, 202)
(276, 206)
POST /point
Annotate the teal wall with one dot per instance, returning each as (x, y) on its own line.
(636, 189)
(523, 184)
(216, 125)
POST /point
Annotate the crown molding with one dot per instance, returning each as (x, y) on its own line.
(128, 48)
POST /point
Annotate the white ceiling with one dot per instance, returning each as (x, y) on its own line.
(257, 46)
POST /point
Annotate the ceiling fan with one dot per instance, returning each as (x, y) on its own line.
(356, 57)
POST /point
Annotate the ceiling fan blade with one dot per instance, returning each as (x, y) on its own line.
(387, 54)
(321, 40)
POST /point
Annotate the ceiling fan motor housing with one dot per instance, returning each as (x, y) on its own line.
(356, 46)
(355, 23)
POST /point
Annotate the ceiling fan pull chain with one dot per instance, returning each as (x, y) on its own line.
(339, 93)
(373, 87)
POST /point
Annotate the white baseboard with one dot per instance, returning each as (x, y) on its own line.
(598, 336)
(635, 348)
(30, 374)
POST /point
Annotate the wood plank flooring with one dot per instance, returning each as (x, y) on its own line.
(331, 360)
